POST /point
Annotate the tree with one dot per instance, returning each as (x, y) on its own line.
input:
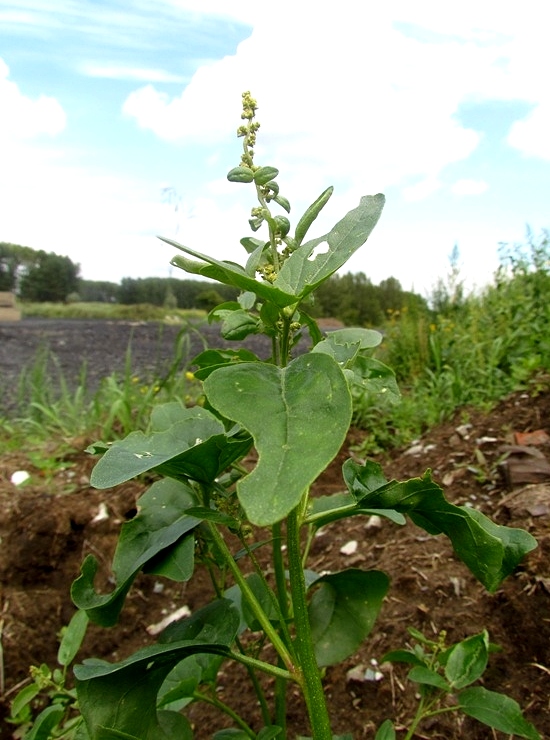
(51, 278)
(12, 258)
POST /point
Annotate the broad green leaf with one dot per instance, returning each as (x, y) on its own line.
(236, 323)
(372, 376)
(496, 710)
(166, 415)
(489, 550)
(467, 660)
(211, 359)
(365, 338)
(424, 675)
(160, 523)
(231, 733)
(195, 447)
(301, 273)
(386, 731)
(122, 697)
(218, 622)
(176, 562)
(73, 634)
(298, 417)
(45, 722)
(343, 610)
(229, 273)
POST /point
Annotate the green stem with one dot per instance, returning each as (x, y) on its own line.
(312, 685)
(256, 685)
(273, 670)
(285, 339)
(424, 711)
(282, 597)
(247, 593)
(215, 702)
(280, 609)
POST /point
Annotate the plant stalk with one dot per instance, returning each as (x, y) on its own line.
(256, 608)
(312, 685)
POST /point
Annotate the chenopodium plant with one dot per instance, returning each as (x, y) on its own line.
(296, 412)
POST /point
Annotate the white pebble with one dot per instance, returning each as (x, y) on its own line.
(20, 477)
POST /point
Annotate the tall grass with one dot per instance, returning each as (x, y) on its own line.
(473, 351)
(48, 407)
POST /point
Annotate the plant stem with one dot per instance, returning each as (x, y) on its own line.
(256, 608)
(273, 670)
(282, 597)
(312, 685)
(256, 684)
(215, 702)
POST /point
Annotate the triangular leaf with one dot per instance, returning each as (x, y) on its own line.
(343, 610)
(467, 660)
(309, 399)
(496, 710)
(122, 697)
(160, 523)
(489, 550)
(301, 274)
(184, 443)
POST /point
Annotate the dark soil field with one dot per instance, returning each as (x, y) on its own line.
(482, 459)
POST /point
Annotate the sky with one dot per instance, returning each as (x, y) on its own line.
(118, 123)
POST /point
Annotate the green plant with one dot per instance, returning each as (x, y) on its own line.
(48, 693)
(48, 406)
(206, 504)
(445, 674)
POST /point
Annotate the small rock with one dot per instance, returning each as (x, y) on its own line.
(102, 514)
(464, 430)
(350, 548)
(20, 477)
(374, 522)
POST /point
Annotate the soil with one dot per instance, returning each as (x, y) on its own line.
(480, 459)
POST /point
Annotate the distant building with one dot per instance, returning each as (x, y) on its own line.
(8, 307)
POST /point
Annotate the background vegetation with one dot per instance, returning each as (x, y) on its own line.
(450, 351)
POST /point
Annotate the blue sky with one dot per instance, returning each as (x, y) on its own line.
(118, 123)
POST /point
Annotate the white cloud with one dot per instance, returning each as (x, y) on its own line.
(141, 74)
(469, 187)
(348, 99)
(531, 135)
(422, 189)
(25, 118)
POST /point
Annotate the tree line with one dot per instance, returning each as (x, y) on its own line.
(39, 276)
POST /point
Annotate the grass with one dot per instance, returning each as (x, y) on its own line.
(472, 351)
(112, 311)
(467, 351)
(48, 407)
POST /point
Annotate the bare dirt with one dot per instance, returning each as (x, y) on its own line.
(49, 525)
